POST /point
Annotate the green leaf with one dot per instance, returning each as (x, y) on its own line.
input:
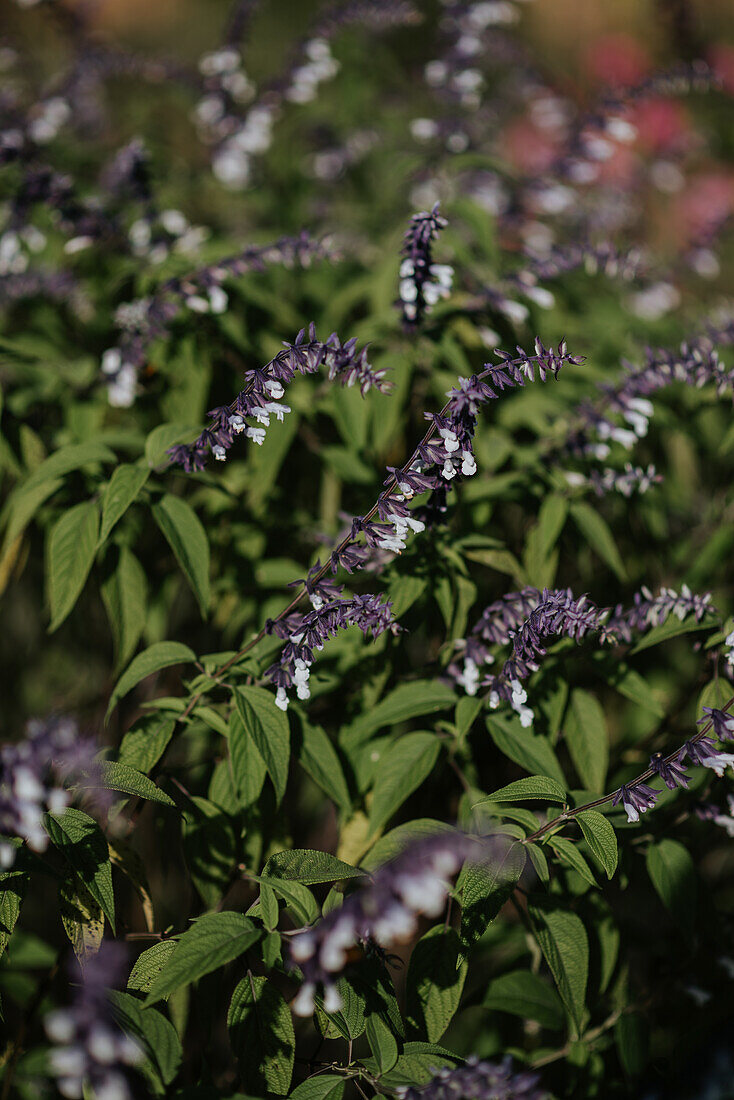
(143, 745)
(212, 941)
(124, 594)
(486, 887)
(382, 1043)
(71, 457)
(186, 536)
(596, 532)
(297, 897)
(323, 1087)
(671, 870)
(319, 758)
(157, 1035)
(153, 659)
(405, 765)
(524, 994)
(350, 1020)
(261, 1034)
(601, 838)
(22, 506)
(436, 975)
(268, 727)
(124, 486)
(70, 551)
(417, 1065)
(530, 751)
(248, 766)
(563, 941)
(210, 848)
(81, 841)
(632, 1038)
(587, 739)
(673, 628)
(82, 919)
(541, 540)
(149, 965)
(536, 786)
(406, 701)
(309, 867)
(13, 885)
(628, 682)
(120, 777)
(164, 436)
(571, 856)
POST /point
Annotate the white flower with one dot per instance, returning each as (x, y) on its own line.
(257, 435)
(281, 701)
(218, 300)
(304, 1003)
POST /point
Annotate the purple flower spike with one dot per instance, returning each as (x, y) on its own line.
(636, 800)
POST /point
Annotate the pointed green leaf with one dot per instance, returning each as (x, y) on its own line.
(81, 841)
(405, 765)
(210, 942)
(262, 1037)
(587, 739)
(70, 551)
(536, 786)
(124, 486)
(153, 659)
(563, 941)
(186, 536)
(601, 838)
(268, 727)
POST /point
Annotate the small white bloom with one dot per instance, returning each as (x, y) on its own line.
(304, 1003)
(281, 700)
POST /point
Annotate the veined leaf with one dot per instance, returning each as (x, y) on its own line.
(563, 941)
(536, 786)
(261, 1034)
(403, 768)
(600, 836)
(211, 941)
(81, 841)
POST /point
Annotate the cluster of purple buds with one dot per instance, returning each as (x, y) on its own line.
(649, 611)
(259, 400)
(528, 617)
(304, 633)
(384, 911)
(633, 479)
(636, 798)
(695, 364)
(32, 774)
(422, 283)
(603, 258)
(477, 1081)
(90, 1051)
(202, 291)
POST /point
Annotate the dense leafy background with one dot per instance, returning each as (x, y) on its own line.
(119, 575)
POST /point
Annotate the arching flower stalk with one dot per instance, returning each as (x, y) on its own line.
(529, 617)
(201, 291)
(260, 399)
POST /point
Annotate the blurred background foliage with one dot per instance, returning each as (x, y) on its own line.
(271, 511)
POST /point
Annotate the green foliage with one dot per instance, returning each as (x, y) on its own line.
(150, 603)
